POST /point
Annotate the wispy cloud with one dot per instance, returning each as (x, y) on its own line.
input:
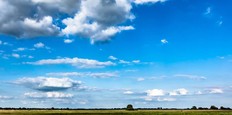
(194, 77)
(147, 1)
(15, 55)
(44, 95)
(20, 49)
(208, 11)
(5, 43)
(140, 79)
(68, 41)
(164, 41)
(128, 92)
(5, 97)
(112, 58)
(84, 74)
(166, 99)
(216, 91)
(181, 91)
(77, 62)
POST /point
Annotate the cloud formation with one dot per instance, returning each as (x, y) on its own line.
(44, 95)
(162, 95)
(48, 84)
(181, 91)
(164, 41)
(147, 1)
(68, 41)
(194, 77)
(77, 62)
(155, 92)
(215, 91)
(98, 20)
(88, 74)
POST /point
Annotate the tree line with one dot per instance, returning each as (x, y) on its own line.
(128, 107)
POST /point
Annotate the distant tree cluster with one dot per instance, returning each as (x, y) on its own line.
(212, 107)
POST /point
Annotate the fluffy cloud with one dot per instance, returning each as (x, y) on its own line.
(180, 91)
(155, 92)
(47, 95)
(160, 92)
(147, 1)
(78, 62)
(32, 18)
(98, 20)
(48, 84)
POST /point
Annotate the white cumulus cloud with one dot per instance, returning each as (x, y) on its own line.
(97, 20)
(155, 92)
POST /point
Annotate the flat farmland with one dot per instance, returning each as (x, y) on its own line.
(115, 112)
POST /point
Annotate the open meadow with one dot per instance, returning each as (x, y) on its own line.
(115, 112)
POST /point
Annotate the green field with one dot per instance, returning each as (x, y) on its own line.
(115, 112)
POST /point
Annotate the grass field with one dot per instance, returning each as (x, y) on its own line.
(115, 112)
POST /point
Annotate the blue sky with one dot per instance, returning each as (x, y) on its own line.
(87, 54)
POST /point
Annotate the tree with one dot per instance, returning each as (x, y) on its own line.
(129, 107)
(194, 107)
(213, 107)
